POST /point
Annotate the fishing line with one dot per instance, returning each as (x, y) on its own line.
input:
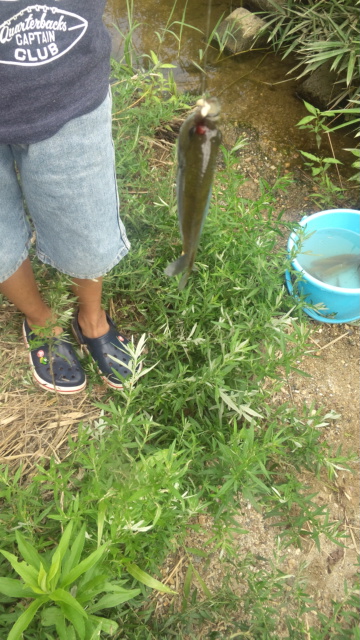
(207, 34)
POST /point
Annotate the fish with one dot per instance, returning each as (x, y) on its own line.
(198, 145)
(323, 268)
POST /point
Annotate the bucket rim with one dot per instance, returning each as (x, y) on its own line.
(318, 214)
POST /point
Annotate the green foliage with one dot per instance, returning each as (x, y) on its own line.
(350, 118)
(318, 32)
(318, 124)
(66, 588)
(324, 32)
(276, 601)
(215, 343)
(318, 165)
(175, 28)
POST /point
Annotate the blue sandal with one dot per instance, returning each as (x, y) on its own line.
(54, 364)
(109, 352)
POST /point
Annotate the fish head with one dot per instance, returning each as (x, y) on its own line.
(208, 108)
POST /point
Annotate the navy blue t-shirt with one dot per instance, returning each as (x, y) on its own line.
(54, 65)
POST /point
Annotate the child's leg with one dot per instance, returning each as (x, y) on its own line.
(69, 184)
(91, 317)
(21, 289)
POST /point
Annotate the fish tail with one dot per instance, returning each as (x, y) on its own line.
(184, 279)
(177, 266)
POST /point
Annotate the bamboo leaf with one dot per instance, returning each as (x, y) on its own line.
(187, 581)
(53, 616)
(332, 161)
(94, 631)
(28, 552)
(345, 124)
(311, 108)
(84, 566)
(63, 544)
(14, 588)
(251, 412)
(100, 521)
(88, 590)
(60, 595)
(309, 156)
(202, 584)
(42, 578)
(154, 57)
(76, 619)
(197, 552)
(356, 152)
(54, 572)
(110, 587)
(26, 617)
(350, 68)
(113, 600)
(72, 559)
(108, 626)
(243, 410)
(25, 571)
(50, 616)
(305, 120)
(58, 555)
(146, 579)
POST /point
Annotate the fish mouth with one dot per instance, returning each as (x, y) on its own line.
(209, 108)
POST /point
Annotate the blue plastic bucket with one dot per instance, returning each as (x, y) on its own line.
(341, 305)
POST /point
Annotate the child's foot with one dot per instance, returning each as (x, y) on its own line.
(54, 363)
(109, 351)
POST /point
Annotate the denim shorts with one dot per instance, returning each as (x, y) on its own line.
(68, 183)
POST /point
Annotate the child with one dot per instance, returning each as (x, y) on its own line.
(56, 153)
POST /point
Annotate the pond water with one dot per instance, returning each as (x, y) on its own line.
(253, 88)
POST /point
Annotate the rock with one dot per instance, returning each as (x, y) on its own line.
(240, 30)
(319, 88)
(265, 5)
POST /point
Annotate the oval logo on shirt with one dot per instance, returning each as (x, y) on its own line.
(39, 34)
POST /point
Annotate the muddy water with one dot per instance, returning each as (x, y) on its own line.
(254, 88)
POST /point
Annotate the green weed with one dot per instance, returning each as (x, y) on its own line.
(319, 166)
(52, 582)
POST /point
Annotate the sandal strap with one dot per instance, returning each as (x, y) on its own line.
(109, 352)
(54, 363)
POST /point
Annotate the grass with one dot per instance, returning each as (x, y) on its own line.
(201, 428)
(324, 34)
(321, 32)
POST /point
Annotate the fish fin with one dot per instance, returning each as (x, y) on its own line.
(177, 266)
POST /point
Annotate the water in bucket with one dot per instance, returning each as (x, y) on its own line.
(332, 256)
